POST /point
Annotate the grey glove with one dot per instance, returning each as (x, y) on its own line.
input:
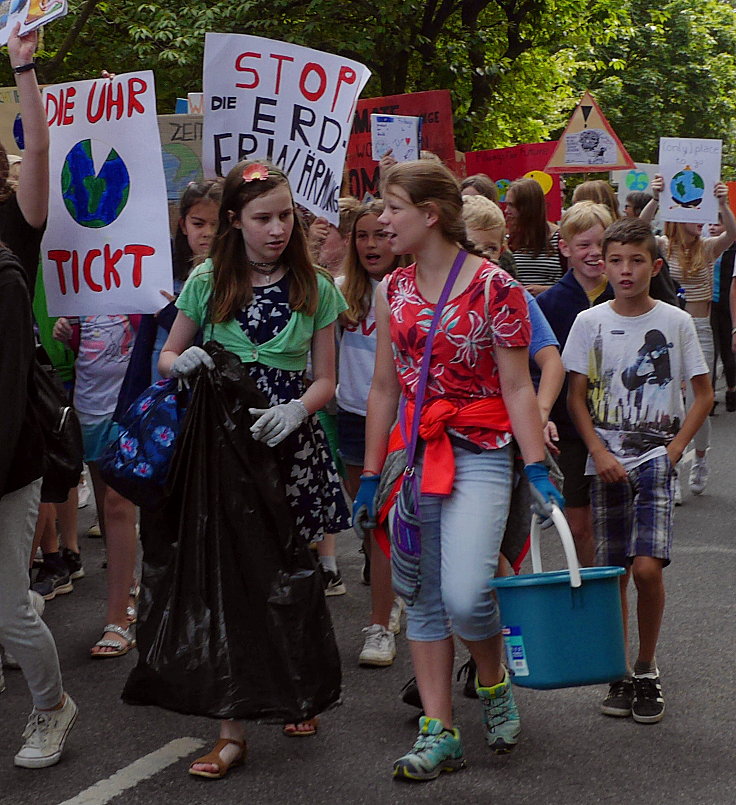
(275, 424)
(189, 361)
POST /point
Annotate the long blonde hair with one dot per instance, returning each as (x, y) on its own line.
(690, 259)
(357, 286)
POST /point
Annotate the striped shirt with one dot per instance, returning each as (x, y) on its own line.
(545, 269)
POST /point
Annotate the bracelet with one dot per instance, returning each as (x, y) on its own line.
(24, 68)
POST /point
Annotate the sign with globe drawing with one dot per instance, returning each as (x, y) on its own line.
(94, 196)
(106, 249)
(691, 168)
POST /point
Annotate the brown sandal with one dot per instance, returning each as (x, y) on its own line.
(214, 758)
(291, 731)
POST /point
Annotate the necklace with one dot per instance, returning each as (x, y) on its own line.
(271, 265)
(260, 268)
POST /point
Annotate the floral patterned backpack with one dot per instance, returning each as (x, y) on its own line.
(136, 463)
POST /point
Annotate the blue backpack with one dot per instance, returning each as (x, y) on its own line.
(136, 464)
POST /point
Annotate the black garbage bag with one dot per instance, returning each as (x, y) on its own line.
(233, 621)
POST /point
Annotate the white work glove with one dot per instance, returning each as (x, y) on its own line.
(189, 361)
(275, 424)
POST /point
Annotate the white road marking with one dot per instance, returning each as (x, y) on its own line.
(137, 772)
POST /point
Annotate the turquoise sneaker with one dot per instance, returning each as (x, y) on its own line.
(500, 715)
(436, 750)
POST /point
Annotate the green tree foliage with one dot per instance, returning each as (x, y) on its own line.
(671, 74)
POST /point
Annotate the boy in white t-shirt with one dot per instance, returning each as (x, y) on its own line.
(626, 361)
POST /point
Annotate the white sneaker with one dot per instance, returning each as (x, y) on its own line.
(394, 621)
(45, 734)
(38, 603)
(379, 648)
(678, 492)
(698, 476)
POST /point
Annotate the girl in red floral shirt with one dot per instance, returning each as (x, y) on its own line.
(479, 396)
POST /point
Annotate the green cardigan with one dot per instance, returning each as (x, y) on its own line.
(287, 350)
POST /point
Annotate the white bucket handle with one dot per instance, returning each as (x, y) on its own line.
(558, 518)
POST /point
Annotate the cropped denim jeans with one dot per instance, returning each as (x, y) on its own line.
(461, 540)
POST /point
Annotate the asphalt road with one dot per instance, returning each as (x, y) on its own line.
(568, 752)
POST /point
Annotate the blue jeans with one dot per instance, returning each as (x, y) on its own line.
(461, 540)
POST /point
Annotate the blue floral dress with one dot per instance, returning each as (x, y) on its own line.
(313, 485)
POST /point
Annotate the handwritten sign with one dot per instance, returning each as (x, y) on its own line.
(284, 103)
(526, 161)
(691, 168)
(434, 108)
(400, 134)
(106, 248)
(181, 148)
(29, 13)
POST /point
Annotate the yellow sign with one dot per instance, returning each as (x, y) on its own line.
(589, 144)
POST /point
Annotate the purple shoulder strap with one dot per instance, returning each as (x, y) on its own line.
(426, 360)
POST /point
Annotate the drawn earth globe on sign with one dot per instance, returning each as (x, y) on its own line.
(181, 166)
(687, 188)
(95, 184)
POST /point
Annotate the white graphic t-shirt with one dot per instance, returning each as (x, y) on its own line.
(635, 366)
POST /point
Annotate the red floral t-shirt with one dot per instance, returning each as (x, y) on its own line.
(463, 366)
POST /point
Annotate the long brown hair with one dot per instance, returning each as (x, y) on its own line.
(531, 230)
(691, 259)
(232, 282)
(357, 285)
(427, 182)
(601, 193)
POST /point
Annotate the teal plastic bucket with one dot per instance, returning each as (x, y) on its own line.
(562, 628)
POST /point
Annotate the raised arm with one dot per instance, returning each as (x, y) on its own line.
(728, 236)
(648, 213)
(33, 185)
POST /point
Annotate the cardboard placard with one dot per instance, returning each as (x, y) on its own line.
(435, 109)
(505, 165)
(589, 143)
(293, 106)
(181, 148)
(106, 249)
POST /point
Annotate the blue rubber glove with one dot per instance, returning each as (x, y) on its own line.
(544, 492)
(364, 505)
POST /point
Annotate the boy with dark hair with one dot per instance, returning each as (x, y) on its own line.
(626, 361)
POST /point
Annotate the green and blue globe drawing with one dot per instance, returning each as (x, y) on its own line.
(687, 188)
(94, 198)
(181, 166)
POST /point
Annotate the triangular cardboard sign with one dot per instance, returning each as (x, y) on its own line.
(588, 144)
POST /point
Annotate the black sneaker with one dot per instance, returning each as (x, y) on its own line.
(618, 700)
(73, 561)
(470, 670)
(731, 400)
(648, 704)
(52, 581)
(410, 694)
(333, 583)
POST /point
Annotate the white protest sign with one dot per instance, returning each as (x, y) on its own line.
(691, 168)
(401, 134)
(29, 13)
(287, 104)
(634, 180)
(106, 249)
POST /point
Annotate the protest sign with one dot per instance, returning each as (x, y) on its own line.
(29, 13)
(399, 134)
(505, 165)
(11, 130)
(691, 168)
(434, 108)
(284, 103)
(588, 143)
(637, 179)
(195, 103)
(181, 149)
(106, 249)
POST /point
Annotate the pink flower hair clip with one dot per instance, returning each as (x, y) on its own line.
(255, 171)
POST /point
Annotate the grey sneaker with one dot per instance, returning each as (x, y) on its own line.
(500, 715)
(435, 750)
(379, 648)
(394, 622)
(699, 476)
(45, 734)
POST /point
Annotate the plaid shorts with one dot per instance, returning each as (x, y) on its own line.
(634, 517)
